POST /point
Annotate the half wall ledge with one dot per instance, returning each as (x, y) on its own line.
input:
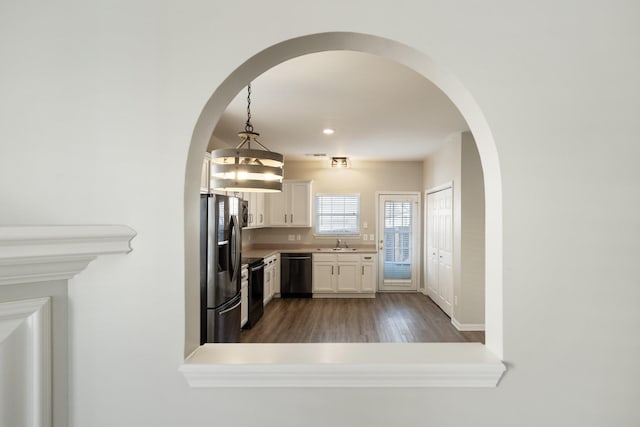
(31, 254)
(343, 365)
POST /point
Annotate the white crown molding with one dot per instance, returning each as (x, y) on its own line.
(30, 372)
(30, 254)
(343, 365)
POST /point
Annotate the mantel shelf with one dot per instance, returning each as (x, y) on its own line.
(30, 254)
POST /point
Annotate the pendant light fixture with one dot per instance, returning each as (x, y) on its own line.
(247, 169)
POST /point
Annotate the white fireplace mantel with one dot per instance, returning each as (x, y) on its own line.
(35, 370)
(30, 254)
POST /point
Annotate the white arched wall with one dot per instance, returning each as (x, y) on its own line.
(389, 49)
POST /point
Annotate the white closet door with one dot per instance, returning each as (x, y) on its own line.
(432, 247)
(440, 248)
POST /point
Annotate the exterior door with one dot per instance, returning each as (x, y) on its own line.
(440, 248)
(398, 231)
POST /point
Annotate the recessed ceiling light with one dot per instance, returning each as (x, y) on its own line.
(328, 131)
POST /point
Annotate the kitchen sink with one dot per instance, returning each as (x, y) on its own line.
(336, 249)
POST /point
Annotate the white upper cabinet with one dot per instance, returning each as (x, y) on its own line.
(204, 176)
(291, 207)
(256, 215)
(260, 215)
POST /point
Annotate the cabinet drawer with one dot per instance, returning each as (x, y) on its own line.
(368, 258)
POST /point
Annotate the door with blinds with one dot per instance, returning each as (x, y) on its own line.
(398, 238)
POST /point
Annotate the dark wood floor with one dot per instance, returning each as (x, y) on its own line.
(390, 317)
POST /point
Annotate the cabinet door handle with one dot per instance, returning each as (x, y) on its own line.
(332, 270)
(261, 218)
(338, 270)
(291, 218)
(362, 270)
(285, 218)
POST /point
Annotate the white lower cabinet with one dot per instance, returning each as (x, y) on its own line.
(244, 297)
(323, 274)
(270, 272)
(369, 273)
(344, 274)
(348, 273)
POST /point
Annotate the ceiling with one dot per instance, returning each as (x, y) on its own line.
(379, 109)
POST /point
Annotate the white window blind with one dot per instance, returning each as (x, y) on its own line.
(337, 214)
(397, 231)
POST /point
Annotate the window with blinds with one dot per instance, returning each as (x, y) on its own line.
(397, 239)
(337, 214)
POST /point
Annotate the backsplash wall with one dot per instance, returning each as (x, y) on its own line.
(363, 177)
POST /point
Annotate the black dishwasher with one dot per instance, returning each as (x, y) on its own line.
(295, 275)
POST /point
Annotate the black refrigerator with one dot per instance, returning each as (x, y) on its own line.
(220, 244)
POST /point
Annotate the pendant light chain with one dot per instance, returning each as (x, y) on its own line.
(248, 127)
(244, 169)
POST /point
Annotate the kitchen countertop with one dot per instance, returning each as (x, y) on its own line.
(263, 252)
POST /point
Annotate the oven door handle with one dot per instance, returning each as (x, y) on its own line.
(257, 267)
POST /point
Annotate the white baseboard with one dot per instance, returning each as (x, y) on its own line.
(467, 326)
(345, 295)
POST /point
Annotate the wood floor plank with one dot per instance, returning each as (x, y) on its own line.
(390, 317)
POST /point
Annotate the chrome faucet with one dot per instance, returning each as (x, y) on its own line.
(338, 241)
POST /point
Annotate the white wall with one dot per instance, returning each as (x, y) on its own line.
(457, 163)
(472, 237)
(98, 105)
(441, 168)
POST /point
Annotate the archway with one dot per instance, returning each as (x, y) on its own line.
(394, 51)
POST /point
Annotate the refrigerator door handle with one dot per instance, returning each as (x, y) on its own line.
(230, 308)
(235, 257)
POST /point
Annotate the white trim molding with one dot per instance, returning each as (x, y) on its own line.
(25, 342)
(467, 326)
(343, 365)
(30, 254)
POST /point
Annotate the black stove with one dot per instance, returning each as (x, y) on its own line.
(256, 290)
(251, 260)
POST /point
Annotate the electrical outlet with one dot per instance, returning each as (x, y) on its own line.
(365, 225)
(292, 237)
(364, 237)
(371, 237)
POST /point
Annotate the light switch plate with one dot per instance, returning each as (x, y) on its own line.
(364, 237)
(371, 237)
(292, 237)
